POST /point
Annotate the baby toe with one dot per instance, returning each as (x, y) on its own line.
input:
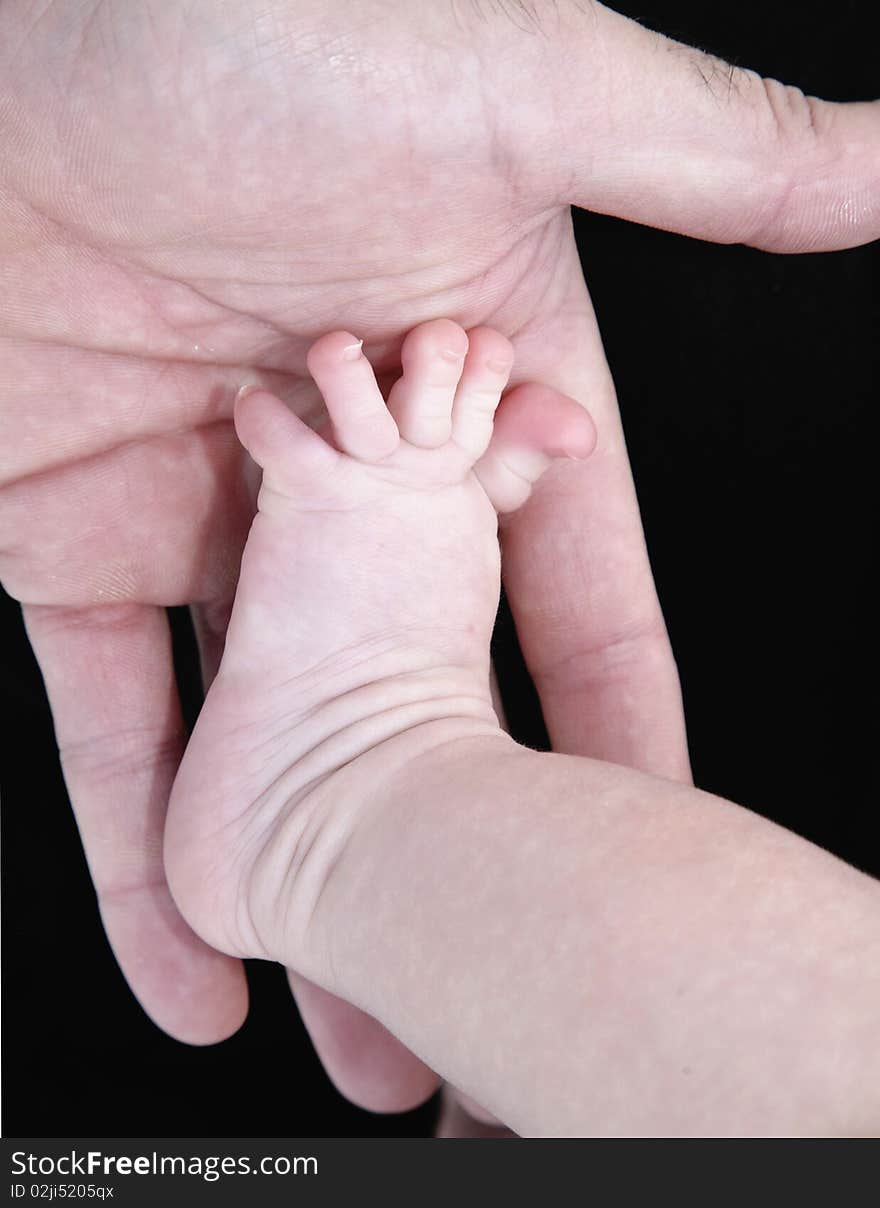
(485, 375)
(421, 401)
(362, 425)
(289, 453)
(534, 426)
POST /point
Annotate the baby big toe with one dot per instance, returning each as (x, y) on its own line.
(289, 453)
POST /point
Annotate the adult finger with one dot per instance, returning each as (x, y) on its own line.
(110, 680)
(576, 569)
(363, 1060)
(631, 123)
(460, 1117)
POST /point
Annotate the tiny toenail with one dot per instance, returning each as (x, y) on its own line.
(451, 355)
(352, 352)
(498, 366)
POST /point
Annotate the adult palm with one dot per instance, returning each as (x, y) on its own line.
(190, 194)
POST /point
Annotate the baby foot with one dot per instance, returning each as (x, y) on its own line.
(361, 627)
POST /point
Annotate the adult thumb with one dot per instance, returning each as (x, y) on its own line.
(648, 129)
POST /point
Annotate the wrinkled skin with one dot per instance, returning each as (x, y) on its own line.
(190, 194)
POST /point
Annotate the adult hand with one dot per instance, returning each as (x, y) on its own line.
(189, 196)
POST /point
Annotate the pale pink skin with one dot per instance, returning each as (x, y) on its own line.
(364, 609)
(186, 205)
(349, 805)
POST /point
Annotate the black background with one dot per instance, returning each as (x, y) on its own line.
(748, 384)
